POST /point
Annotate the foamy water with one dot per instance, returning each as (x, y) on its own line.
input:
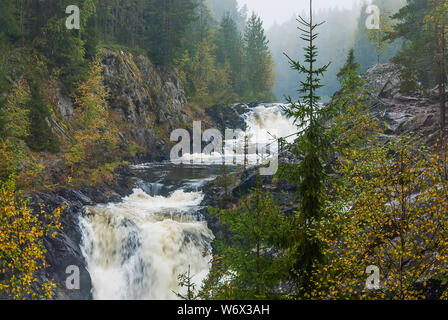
(136, 249)
(264, 125)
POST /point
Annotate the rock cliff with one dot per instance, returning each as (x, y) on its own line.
(149, 99)
(410, 114)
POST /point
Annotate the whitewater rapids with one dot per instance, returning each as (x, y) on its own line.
(137, 248)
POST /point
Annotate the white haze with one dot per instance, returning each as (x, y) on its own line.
(279, 11)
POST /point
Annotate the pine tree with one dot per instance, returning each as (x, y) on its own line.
(350, 65)
(185, 280)
(230, 49)
(256, 261)
(228, 41)
(348, 75)
(258, 64)
(166, 26)
(424, 26)
(10, 31)
(312, 147)
(414, 54)
(41, 137)
(437, 23)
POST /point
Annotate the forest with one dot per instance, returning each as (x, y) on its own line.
(356, 211)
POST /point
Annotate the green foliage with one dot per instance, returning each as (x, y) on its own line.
(185, 280)
(378, 37)
(41, 137)
(257, 259)
(216, 70)
(95, 138)
(373, 46)
(166, 25)
(204, 82)
(14, 155)
(222, 8)
(388, 209)
(312, 146)
(258, 64)
(9, 24)
(424, 27)
(229, 50)
(350, 65)
(409, 78)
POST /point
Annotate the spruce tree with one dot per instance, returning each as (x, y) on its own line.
(312, 147)
(423, 24)
(253, 262)
(228, 41)
(257, 59)
(9, 23)
(349, 66)
(348, 75)
(41, 137)
(230, 50)
(166, 26)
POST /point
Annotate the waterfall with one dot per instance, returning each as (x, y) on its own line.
(137, 248)
(264, 119)
(264, 124)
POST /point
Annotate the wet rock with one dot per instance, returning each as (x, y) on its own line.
(64, 250)
(383, 80)
(400, 114)
(146, 96)
(226, 117)
(64, 104)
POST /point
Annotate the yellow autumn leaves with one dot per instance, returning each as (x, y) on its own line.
(388, 209)
(22, 253)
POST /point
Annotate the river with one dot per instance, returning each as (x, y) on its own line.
(136, 249)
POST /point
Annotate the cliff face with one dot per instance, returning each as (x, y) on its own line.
(408, 114)
(149, 99)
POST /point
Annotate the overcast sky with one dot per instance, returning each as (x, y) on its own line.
(282, 10)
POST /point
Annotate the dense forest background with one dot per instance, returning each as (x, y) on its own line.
(342, 30)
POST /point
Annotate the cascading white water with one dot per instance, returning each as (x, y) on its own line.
(263, 119)
(136, 249)
(264, 124)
